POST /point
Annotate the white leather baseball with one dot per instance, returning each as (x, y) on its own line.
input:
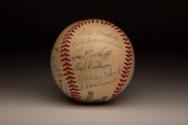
(92, 61)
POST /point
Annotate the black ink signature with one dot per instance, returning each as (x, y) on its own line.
(91, 65)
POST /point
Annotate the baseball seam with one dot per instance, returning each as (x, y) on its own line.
(126, 67)
(66, 61)
(67, 67)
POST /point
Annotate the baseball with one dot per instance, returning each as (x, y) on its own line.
(92, 61)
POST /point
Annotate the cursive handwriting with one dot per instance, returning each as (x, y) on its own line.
(91, 65)
(98, 84)
(88, 39)
(90, 53)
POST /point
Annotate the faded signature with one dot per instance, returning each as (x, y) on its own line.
(95, 65)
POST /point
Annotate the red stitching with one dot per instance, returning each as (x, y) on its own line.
(66, 41)
(69, 34)
(125, 72)
(70, 77)
(104, 22)
(65, 57)
(67, 68)
(125, 38)
(78, 25)
(122, 80)
(120, 31)
(129, 51)
(71, 82)
(126, 68)
(115, 91)
(64, 50)
(75, 93)
(108, 23)
(116, 28)
(128, 59)
(118, 88)
(67, 64)
(76, 97)
(65, 45)
(126, 43)
(75, 28)
(124, 76)
(128, 47)
(127, 63)
(128, 55)
(121, 84)
(67, 37)
(85, 22)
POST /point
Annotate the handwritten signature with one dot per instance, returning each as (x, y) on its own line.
(90, 53)
(91, 65)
